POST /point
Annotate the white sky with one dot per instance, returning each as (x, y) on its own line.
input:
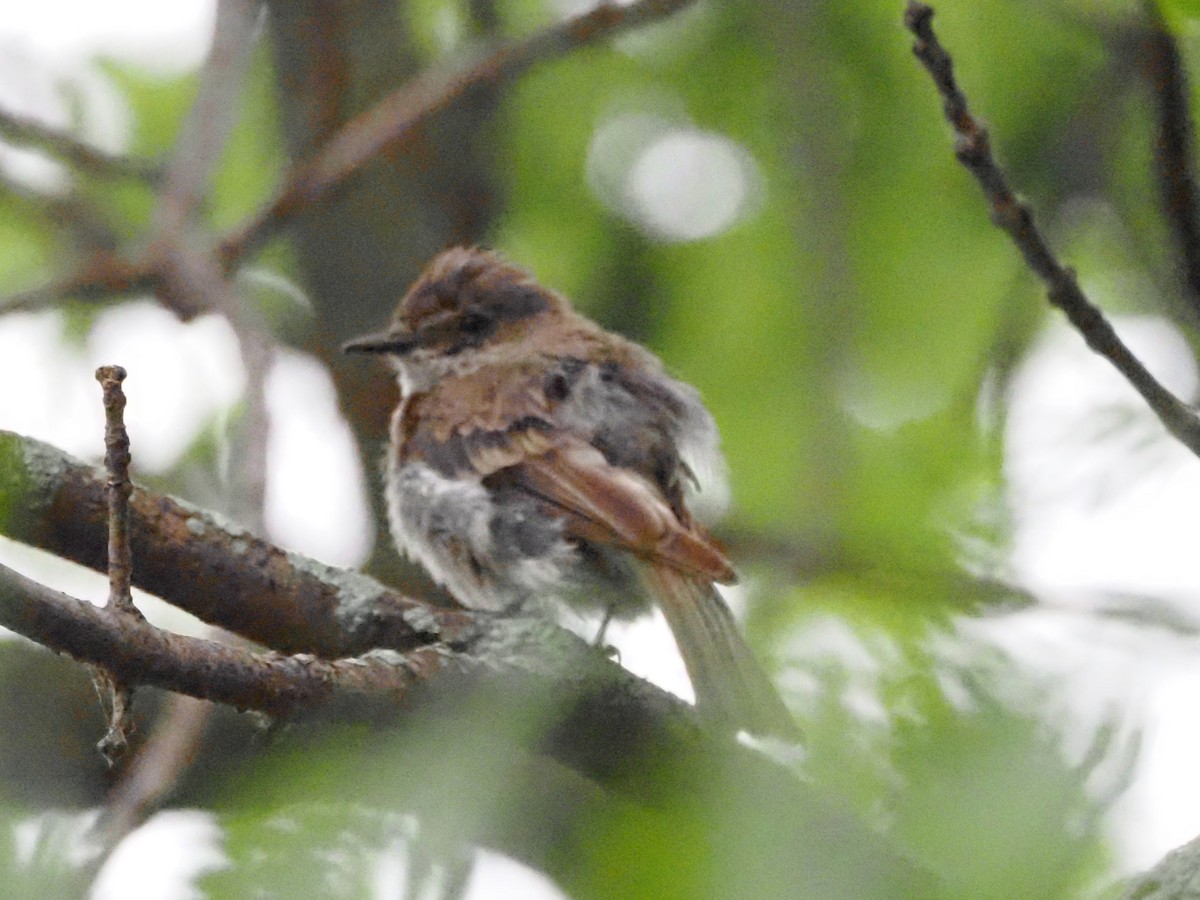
(1081, 533)
(1077, 529)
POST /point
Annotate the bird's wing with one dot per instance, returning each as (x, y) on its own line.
(607, 504)
(500, 426)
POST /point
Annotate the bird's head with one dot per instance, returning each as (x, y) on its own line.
(465, 308)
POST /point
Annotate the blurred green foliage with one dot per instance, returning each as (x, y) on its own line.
(843, 330)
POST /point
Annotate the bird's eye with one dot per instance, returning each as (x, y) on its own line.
(474, 323)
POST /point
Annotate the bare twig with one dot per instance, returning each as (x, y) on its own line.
(196, 282)
(115, 695)
(1014, 216)
(83, 156)
(116, 461)
(1174, 147)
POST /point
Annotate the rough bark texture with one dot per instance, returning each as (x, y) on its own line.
(213, 569)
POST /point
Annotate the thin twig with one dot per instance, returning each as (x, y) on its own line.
(116, 462)
(195, 281)
(1174, 147)
(170, 747)
(1014, 216)
(69, 149)
(116, 695)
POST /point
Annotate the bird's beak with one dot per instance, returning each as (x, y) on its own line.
(398, 342)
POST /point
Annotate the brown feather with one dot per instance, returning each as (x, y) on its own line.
(619, 507)
(730, 685)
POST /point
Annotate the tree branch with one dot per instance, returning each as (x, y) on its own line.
(586, 712)
(71, 150)
(217, 571)
(227, 577)
(597, 717)
(183, 553)
(137, 653)
(1014, 216)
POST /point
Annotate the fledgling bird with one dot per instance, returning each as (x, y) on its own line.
(535, 456)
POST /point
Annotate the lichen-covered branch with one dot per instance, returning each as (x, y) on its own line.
(596, 717)
(217, 571)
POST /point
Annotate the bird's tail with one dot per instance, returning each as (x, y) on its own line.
(730, 685)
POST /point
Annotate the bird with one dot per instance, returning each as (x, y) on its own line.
(537, 459)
